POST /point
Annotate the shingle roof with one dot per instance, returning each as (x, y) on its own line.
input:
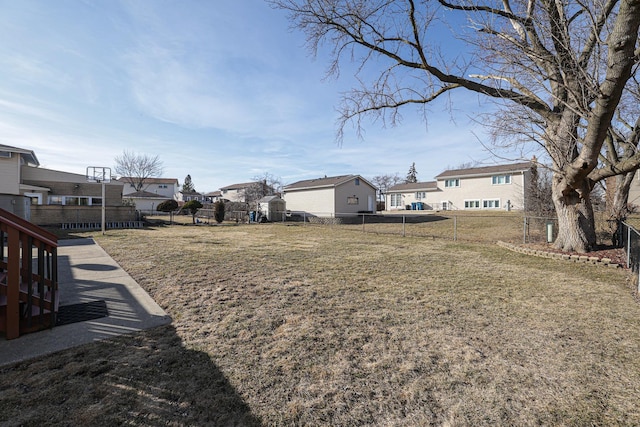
(145, 194)
(151, 180)
(485, 170)
(238, 186)
(325, 182)
(414, 186)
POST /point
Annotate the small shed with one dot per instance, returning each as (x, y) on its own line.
(273, 207)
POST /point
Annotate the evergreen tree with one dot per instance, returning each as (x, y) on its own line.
(412, 175)
(188, 186)
(218, 211)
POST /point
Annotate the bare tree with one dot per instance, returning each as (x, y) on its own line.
(561, 68)
(264, 185)
(384, 182)
(137, 168)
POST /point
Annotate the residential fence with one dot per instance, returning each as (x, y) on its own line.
(509, 226)
(629, 239)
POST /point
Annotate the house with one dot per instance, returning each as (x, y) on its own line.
(186, 196)
(13, 192)
(236, 192)
(336, 196)
(488, 187)
(50, 197)
(163, 187)
(213, 196)
(413, 195)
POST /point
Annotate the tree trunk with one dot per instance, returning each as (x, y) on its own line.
(576, 225)
(618, 207)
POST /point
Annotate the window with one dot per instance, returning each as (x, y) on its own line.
(421, 195)
(445, 206)
(55, 200)
(472, 204)
(449, 183)
(162, 186)
(132, 186)
(357, 181)
(96, 201)
(5, 154)
(491, 204)
(353, 200)
(396, 200)
(501, 179)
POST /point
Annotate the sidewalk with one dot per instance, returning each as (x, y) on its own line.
(86, 273)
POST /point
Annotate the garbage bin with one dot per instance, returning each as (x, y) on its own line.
(252, 216)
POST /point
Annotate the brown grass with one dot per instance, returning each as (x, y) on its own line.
(299, 325)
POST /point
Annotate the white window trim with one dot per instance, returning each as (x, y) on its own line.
(475, 201)
(507, 179)
(454, 181)
(496, 201)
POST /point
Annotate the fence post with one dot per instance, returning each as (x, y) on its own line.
(403, 225)
(524, 231)
(363, 223)
(628, 246)
(455, 228)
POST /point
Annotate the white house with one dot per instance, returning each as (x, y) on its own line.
(12, 191)
(414, 196)
(153, 192)
(235, 192)
(331, 196)
(489, 187)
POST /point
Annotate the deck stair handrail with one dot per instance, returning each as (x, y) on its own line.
(28, 276)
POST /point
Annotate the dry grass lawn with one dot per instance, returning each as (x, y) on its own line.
(298, 325)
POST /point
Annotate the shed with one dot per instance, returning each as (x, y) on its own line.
(273, 207)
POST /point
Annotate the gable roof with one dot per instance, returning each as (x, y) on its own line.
(325, 182)
(240, 186)
(414, 186)
(485, 170)
(152, 180)
(144, 195)
(28, 156)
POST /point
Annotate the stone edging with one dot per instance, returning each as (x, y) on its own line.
(606, 262)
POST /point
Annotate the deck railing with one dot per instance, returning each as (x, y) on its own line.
(28, 276)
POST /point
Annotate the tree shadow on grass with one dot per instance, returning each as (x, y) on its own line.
(147, 378)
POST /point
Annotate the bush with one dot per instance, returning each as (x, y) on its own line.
(218, 211)
(192, 206)
(167, 206)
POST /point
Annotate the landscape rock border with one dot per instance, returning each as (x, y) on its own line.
(605, 262)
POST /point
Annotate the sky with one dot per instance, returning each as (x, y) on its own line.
(221, 90)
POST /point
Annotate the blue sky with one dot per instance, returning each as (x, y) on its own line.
(222, 90)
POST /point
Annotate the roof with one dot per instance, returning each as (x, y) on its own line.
(325, 182)
(214, 194)
(485, 170)
(151, 180)
(28, 156)
(238, 186)
(414, 186)
(267, 199)
(144, 195)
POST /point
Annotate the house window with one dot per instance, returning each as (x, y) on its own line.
(396, 200)
(491, 204)
(449, 183)
(132, 186)
(445, 206)
(421, 195)
(5, 154)
(162, 186)
(96, 201)
(353, 200)
(501, 179)
(55, 200)
(357, 181)
(472, 204)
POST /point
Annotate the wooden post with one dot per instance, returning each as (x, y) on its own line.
(13, 284)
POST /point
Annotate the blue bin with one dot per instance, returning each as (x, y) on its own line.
(252, 216)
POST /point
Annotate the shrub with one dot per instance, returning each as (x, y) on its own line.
(218, 211)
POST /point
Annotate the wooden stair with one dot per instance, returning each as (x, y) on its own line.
(28, 276)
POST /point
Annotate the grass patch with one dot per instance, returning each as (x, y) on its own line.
(299, 325)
